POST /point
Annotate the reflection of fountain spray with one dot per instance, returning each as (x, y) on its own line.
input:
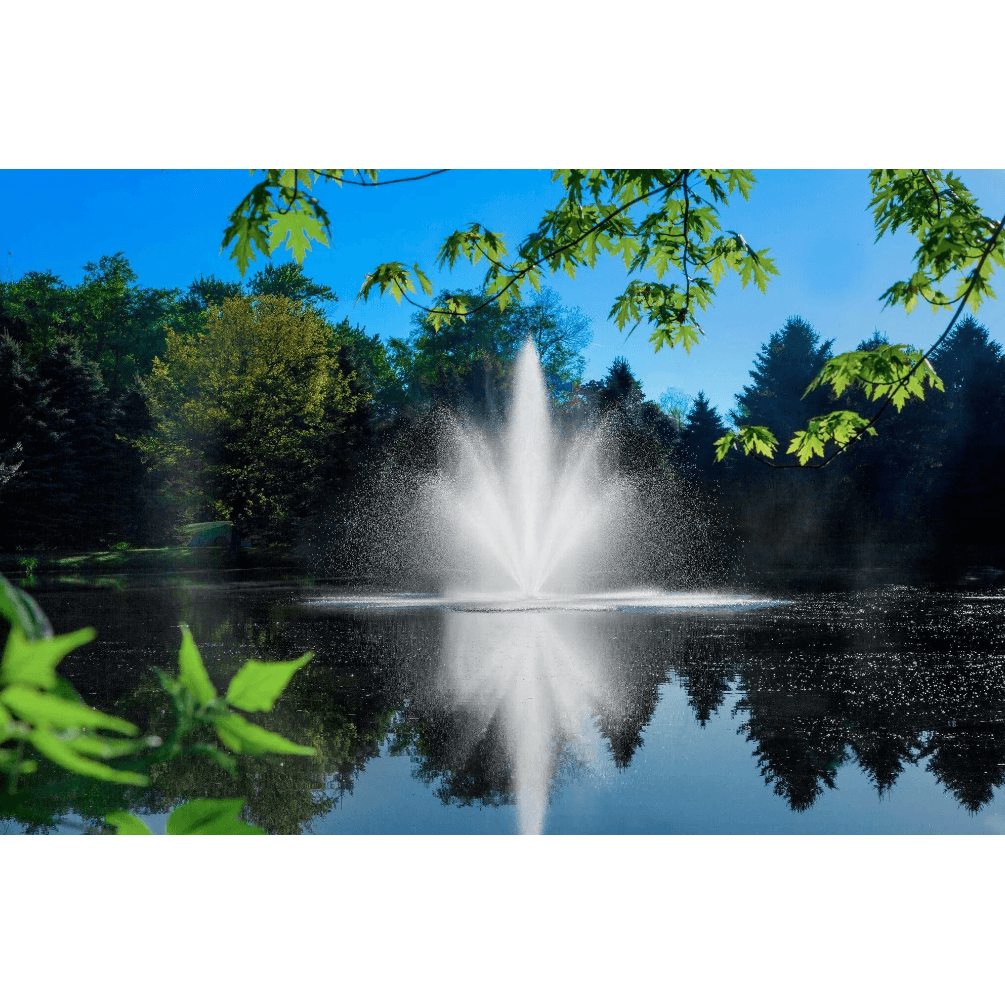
(537, 672)
(519, 517)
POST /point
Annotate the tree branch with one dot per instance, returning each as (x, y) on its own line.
(520, 273)
(377, 184)
(910, 373)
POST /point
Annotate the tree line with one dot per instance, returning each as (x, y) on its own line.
(127, 412)
(925, 492)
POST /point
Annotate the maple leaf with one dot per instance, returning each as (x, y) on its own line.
(297, 227)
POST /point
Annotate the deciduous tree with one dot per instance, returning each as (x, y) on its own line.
(244, 411)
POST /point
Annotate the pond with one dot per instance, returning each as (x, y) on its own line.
(870, 711)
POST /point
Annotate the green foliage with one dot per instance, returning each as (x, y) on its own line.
(896, 372)
(893, 374)
(279, 208)
(118, 324)
(245, 411)
(466, 363)
(192, 674)
(126, 823)
(42, 710)
(65, 430)
(245, 737)
(254, 688)
(22, 612)
(210, 816)
(954, 239)
(287, 280)
(47, 712)
(702, 429)
(396, 278)
(751, 439)
(199, 816)
(665, 221)
(838, 427)
(33, 661)
(654, 221)
(954, 236)
(296, 228)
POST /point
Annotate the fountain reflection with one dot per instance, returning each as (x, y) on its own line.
(539, 676)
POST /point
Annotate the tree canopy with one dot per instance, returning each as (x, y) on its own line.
(243, 410)
(471, 362)
(664, 224)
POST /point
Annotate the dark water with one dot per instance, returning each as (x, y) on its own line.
(873, 711)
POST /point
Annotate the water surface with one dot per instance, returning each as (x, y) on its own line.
(873, 711)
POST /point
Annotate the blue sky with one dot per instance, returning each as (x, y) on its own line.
(816, 222)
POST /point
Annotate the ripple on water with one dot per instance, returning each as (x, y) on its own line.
(627, 601)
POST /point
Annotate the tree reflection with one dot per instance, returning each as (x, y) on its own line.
(515, 697)
(830, 687)
(494, 708)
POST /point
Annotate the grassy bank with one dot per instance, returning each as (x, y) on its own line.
(139, 560)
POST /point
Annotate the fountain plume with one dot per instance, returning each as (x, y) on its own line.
(519, 513)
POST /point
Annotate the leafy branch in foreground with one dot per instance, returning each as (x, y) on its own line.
(199, 816)
(655, 221)
(663, 220)
(282, 208)
(952, 232)
(41, 709)
(953, 236)
(254, 688)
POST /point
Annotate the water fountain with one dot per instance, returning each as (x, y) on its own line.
(518, 515)
(530, 531)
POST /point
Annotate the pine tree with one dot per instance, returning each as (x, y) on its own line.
(966, 444)
(64, 492)
(784, 367)
(702, 427)
(784, 514)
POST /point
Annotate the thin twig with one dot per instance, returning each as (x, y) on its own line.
(376, 184)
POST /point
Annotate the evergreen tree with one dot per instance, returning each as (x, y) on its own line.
(784, 514)
(784, 368)
(966, 438)
(702, 428)
(67, 491)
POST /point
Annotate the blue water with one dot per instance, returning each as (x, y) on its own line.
(876, 711)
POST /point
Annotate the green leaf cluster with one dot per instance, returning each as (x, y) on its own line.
(896, 372)
(40, 709)
(279, 209)
(954, 237)
(751, 439)
(254, 688)
(891, 373)
(838, 427)
(199, 816)
(655, 221)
